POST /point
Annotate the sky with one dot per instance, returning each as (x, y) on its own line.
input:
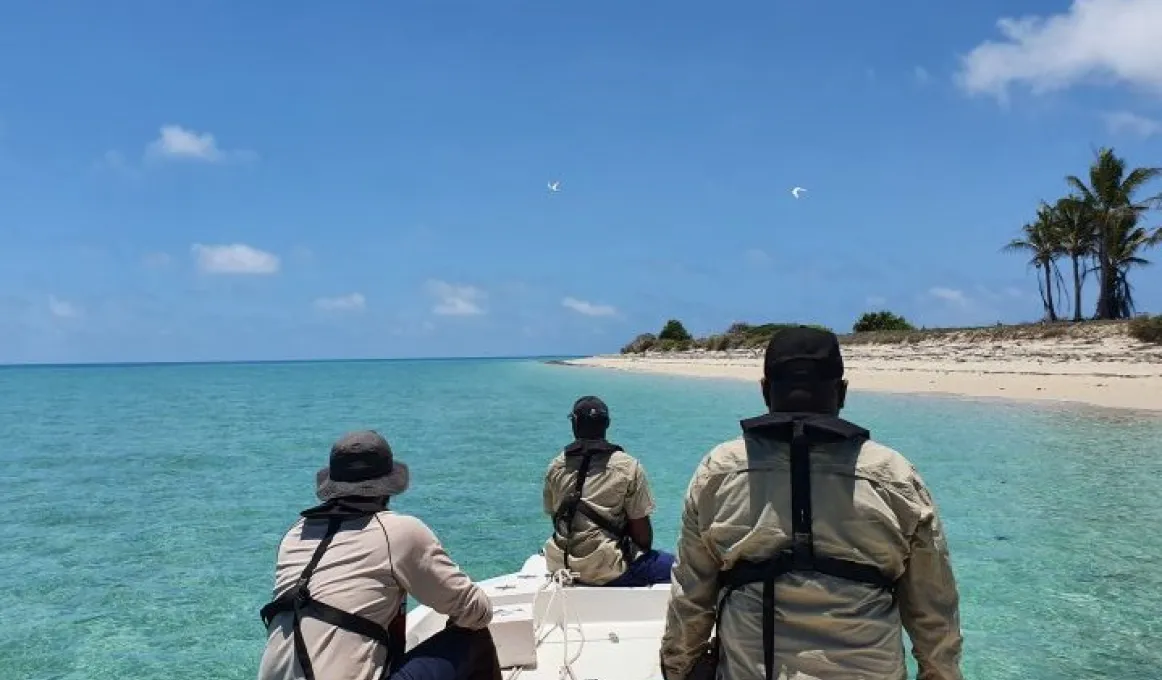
(288, 180)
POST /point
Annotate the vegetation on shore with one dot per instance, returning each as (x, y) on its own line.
(674, 338)
(1146, 329)
(744, 336)
(1096, 229)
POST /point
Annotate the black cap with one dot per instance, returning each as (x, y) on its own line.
(803, 354)
(589, 408)
(360, 456)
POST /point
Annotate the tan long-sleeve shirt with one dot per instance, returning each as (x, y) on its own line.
(371, 564)
(870, 506)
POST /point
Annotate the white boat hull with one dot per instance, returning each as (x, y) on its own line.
(612, 633)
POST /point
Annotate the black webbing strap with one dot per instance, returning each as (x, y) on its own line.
(623, 542)
(300, 603)
(573, 503)
(799, 558)
(802, 537)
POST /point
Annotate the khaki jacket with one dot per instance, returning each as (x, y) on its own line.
(870, 506)
(371, 564)
(617, 489)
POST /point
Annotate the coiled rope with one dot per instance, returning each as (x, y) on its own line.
(556, 584)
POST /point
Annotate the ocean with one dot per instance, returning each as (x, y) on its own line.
(145, 503)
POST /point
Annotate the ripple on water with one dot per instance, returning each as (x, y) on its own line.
(149, 552)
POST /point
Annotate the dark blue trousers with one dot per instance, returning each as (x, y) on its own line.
(452, 654)
(648, 569)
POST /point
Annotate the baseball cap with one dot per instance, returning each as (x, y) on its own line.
(589, 408)
(803, 354)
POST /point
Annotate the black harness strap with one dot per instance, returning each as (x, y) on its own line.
(574, 503)
(300, 603)
(802, 432)
(802, 545)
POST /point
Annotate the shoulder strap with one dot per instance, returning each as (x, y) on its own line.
(802, 536)
(572, 503)
(575, 502)
(300, 603)
(302, 595)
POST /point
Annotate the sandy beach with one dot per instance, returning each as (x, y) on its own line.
(1097, 367)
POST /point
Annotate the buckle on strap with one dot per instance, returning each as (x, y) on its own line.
(302, 591)
(802, 554)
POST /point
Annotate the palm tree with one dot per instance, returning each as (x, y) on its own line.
(1074, 230)
(1111, 194)
(1041, 242)
(1124, 254)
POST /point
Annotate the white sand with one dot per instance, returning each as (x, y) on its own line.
(1102, 370)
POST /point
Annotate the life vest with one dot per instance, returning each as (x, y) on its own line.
(300, 603)
(801, 431)
(574, 503)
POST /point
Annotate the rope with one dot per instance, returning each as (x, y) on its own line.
(557, 582)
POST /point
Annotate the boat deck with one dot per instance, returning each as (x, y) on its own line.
(604, 633)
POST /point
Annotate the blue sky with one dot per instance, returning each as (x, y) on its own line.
(264, 180)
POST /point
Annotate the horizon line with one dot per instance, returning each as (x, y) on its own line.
(235, 362)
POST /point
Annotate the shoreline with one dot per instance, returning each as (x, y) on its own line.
(1110, 372)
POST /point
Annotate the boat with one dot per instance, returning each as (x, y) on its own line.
(547, 628)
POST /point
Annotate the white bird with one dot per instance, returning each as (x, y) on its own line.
(796, 191)
(555, 186)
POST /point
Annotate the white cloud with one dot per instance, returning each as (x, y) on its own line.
(456, 300)
(62, 309)
(355, 302)
(157, 260)
(588, 308)
(950, 295)
(1094, 40)
(236, 258)
(921, 74)
(1124, 121)
(177, 142)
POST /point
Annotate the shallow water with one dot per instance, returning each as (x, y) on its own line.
(145, 503)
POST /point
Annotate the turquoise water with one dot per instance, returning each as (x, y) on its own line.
(144, 504)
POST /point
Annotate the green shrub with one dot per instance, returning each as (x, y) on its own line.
(674, 330)
(640, 344)
(717, 343)
(671, 345)
(1147, 328)
(881, 321)
(675, 338)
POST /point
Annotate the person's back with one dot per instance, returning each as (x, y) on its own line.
(342, 574)
(600, 502)
(836, 533)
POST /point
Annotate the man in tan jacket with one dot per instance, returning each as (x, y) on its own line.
(343, 574)
(600, 502)
(812, 545)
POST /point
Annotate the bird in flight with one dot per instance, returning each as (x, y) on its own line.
(796, 191)
(555, 186)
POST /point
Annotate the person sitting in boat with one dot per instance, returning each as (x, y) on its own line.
(343, 574)
(807, 545)
(600, 503)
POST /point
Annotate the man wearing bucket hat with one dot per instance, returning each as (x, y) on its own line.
(344, 571)
(600, 502)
